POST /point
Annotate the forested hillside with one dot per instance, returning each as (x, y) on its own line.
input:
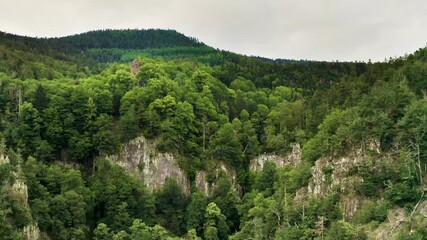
(68, 103)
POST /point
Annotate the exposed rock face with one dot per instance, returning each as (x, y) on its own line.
(293, 159)
(140, 157)
(204, 184)
(330, 174)
(32, 232)
(20, 188)
(396, 221)
(3, 159)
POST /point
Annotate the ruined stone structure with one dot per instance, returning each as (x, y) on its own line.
(134, 67)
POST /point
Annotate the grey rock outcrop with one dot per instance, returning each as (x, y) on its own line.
(140, 157)
(292, 159)
(20, 189)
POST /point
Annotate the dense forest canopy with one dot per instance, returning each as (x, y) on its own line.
(66, 103)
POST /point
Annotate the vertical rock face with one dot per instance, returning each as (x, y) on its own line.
(397, 220)
(330, 174)
(3, 159)
(140, 157)
(292, 159)
(32, 232)
(19, 187)
(206, 185)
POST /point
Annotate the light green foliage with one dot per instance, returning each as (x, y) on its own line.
(149, 71)
(129, 124)
(120, 81)
(342, 230)
(192, 235)
(242, 85)
(67, 101)
(102, 232)
(215, 227)
(226, 146)
(338, 131)
(371, 211)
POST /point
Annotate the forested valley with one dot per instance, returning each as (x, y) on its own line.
(67, 104)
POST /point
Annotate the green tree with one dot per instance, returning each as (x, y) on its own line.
(28, 129)
(195, 212)
(102, 232)
(227, 147)
(215, 226)
(119, 198)
(120, 81)
(170, 207)
(226, 199)
(266, 179)
(129, 124)
(414, 133)
(41, 100)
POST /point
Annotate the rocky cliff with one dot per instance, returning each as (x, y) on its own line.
(19, 189)
(140, 157)
(332, 174)
(329, 174)
(206, 180)
(293, 159)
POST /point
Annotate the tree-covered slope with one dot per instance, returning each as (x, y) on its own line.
(65, 103)
(122, 39)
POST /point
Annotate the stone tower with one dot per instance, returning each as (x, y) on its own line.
(135, 67)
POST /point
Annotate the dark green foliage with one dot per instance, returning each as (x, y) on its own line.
(266, 179)
(119, 198)
(226, 146)
(28, 128)
(129, 124)
(59, 199)
(226, 199)
(195, 212)
(41, 101)
(371, 211)
(62, 107)
(170, 207)
(402, 192)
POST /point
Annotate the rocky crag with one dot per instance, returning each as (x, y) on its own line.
(141, 158)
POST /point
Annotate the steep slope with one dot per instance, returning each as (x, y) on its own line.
(209, 143)
(15, 213)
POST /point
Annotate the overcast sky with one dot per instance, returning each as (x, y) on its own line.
(291, 29)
